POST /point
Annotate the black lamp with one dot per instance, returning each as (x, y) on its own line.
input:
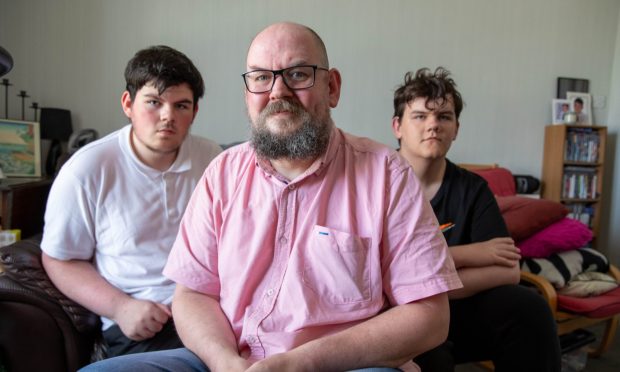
(56, 126)
(6, 61)
(6, 64)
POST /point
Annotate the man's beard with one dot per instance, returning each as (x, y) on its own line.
(306, 142)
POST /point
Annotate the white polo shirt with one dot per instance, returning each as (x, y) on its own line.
(106, 206)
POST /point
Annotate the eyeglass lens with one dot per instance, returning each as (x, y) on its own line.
(297, 77)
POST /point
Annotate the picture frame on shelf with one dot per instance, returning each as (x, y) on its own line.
(559, 108)
(581, 105)
(20, 148)
(566, 84)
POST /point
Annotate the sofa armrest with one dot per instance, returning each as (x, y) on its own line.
(21, 262)
(67, 335)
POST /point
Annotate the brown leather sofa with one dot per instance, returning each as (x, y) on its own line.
(40, 328)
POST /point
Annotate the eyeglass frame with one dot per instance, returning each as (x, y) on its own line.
(280, 72)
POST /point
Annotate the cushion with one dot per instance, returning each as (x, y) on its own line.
(500, 180)
(563, 235)
(560, 268)
(589, 284)
(594, 307)
(526, 216)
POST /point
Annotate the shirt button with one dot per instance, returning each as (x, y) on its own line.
(283, 240)
(270, 292)
(250, 339)
(291, 187)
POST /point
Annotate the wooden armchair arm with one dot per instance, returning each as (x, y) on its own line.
(613, 271)
(544, 287)
(548, 291)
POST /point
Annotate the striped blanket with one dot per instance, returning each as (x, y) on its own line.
(560, 268)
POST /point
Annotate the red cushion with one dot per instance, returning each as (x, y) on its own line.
(500, 180)
(526, 216)
(594, 307)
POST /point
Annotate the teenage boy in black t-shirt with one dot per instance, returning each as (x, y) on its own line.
(492, 318)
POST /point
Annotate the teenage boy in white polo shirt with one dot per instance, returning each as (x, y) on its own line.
(114, 209)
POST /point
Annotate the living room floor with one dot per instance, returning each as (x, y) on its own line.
(609, 362)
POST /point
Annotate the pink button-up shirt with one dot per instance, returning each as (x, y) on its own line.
(295, 261)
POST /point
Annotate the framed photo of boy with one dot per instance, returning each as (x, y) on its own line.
(20, 148)
(581, 105)
(559, 108)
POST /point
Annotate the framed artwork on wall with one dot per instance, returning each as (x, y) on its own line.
(581, 105)
(20, 148)
(572, 85)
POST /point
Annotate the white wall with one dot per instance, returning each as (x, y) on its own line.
(505, 55)
(610, 233)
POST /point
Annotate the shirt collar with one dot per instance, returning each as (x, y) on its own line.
(182, 163)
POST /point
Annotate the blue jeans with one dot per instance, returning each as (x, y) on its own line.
(177, 360)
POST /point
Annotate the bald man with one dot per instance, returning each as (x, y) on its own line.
(307, 248)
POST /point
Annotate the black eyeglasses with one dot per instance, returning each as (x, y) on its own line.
(295, 78)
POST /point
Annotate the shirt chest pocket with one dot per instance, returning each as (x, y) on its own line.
(337, 266)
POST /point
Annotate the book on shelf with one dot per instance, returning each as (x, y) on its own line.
(581, 212)
(582, 145)
(580, 183)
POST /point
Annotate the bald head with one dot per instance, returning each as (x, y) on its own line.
(290, 122)
(284, 38)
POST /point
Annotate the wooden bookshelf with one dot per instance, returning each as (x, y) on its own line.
(573, 167)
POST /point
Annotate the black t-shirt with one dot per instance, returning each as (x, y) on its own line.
(465, 200)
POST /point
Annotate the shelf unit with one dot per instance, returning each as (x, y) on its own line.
(572, 172)
(22, 204)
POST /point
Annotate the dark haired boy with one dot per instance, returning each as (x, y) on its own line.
(582, 117)
(114, 209)
(491, 317)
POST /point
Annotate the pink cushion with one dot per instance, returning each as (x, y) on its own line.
(500, 180)
(526, 216)
(563, 235)
(599, 306)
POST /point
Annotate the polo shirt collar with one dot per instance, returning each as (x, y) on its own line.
(182, 163)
